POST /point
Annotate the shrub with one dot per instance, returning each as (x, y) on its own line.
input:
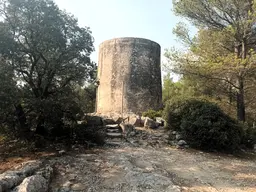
(84, 133)
(249, 136)
(203, 124)
(173, 112)
(152, 114)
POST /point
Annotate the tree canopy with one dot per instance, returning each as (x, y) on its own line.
(48, 54)
(45, 46)
(223, 52)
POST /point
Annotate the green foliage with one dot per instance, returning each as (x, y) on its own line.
(86, 98)
(8, 96)
(8, 88)
(223, 51)
(203, 124)
(249, 136)
(83, 133)
(182, 32)
(49, 51)
(152, 114)
(46, 53)
(172, 113)
(181, 88)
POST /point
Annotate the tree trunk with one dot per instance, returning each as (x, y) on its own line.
(240, 101)
(40, 129)
(23, 128)
(241, 52)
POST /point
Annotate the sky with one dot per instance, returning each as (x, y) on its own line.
(107, 19)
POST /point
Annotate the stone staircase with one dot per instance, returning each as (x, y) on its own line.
(114, 131)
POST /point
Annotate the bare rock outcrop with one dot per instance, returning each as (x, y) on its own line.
(28, 177)
(35, 183)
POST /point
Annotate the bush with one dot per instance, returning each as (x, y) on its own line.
(173, 113)
(84, 133)
(203, 125)
(249, 136)
(152, 114)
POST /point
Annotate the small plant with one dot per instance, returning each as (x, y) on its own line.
(152, 114)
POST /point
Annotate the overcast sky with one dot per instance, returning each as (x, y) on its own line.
(151, 19)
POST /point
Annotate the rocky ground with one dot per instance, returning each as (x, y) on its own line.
(146, 162)
(151, 165)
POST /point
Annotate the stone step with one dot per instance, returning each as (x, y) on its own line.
(114, 130)
(113, 143)
(114, 126)
(113, 135)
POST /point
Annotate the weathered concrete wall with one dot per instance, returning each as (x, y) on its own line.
(129, 76)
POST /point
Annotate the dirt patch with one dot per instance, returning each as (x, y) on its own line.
(14, 153)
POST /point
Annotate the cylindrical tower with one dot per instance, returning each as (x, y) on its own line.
(129, 75)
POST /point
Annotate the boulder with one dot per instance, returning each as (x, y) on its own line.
(127, 129)
(61, 152)
(29, 167)
(136, 121)
(81, 122)
(46, 172)
(150, 123)
(178, 137)
(132, 134)
(166, 137)
(173, 143)
(172, 137)
(118, 119)
(10, 179)
(78, 187)
(182, 143)
(35, 183)
(160, 120)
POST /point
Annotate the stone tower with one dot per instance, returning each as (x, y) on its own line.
(129, 75)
